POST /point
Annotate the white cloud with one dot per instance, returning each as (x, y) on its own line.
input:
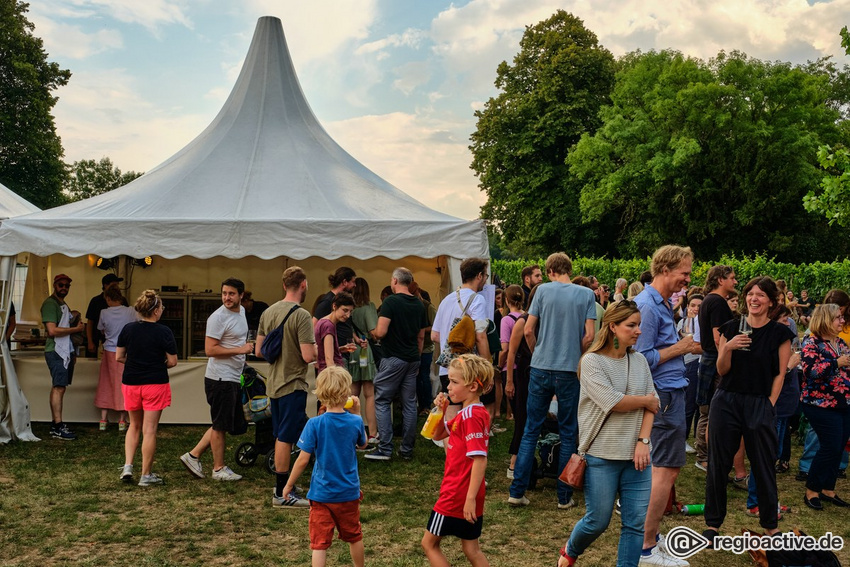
(68, 41)
(412, 75)
(409, 38)
(150, 14)
(418, 155)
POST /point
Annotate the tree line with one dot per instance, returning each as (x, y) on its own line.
(604, 156)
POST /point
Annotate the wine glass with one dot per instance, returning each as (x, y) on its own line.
(688, 325)
(745, 329)
(796, 346)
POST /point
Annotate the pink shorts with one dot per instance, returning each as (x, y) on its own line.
(149, 397)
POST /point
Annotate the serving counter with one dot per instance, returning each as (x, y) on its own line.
(188, 401)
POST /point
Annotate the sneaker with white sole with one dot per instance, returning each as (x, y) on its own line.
(662, 547)
(521, 501)
(225, 473)
(566, 506)
(510, 473)
(659, 557)
(289, 501)
(701, 466)
(373, 440)
(150, 480)
(61, 431)
(192, 464)
(126, 473)
(688, 449)
(376, 456)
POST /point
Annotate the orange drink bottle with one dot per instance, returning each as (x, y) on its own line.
(434, 419)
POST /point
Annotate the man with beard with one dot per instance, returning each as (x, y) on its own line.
(531, 276)
(58, 351)
(286, 385)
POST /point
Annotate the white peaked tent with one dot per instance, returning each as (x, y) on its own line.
(14, 409)
(264, 179)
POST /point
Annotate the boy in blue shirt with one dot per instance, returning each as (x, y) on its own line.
(334, 491)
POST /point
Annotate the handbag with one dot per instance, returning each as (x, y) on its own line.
(573, 473)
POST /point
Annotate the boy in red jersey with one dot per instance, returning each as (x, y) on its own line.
(460, 508)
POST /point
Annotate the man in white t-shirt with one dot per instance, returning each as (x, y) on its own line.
(227, 331)
(473, 274)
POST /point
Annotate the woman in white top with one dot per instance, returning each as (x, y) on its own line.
(108, 395)
(616, 410)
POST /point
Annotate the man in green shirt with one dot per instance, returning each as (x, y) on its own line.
(58, 351)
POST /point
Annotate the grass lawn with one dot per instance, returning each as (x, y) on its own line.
(61, 503)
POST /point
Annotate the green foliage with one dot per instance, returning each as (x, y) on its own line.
(550, 96)
(89, 178)
(30, 150)
(833, 200)
(714, 154)
(816, 277)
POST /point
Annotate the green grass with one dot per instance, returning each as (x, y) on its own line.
(61, 504)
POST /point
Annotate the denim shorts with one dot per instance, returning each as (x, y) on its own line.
(289, 415)
(668, 430)
(61, 376)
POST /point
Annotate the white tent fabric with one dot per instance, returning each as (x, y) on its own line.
(264, 179)
(14, 407)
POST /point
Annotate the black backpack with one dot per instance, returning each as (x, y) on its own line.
(273, 342)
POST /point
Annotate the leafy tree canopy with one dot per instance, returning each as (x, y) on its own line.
(833, 199)
(89, 178)
(716, 154)
(30, 150)
(550, 96)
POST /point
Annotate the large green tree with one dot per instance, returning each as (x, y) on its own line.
(717, 154)
(30, 150)
(833, 199)
(549, 97)
(89, 178)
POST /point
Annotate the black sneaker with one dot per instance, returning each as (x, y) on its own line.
(802, 476)
(61, 431)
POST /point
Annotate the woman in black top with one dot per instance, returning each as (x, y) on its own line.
(752, 369)
(147, 350)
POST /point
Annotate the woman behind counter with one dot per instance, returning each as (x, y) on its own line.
(147, 350)
(108, 395)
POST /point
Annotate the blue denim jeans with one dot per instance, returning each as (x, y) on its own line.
(810, 448)
(396, 377)
(542, 385)
(752, 499)
(603, 480)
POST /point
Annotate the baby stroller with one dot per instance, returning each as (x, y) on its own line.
(258, 412)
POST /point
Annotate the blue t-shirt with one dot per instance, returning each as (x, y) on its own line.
(333, 438)
(658, 331)
(562, 310)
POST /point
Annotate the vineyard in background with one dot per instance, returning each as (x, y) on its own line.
(817, 277)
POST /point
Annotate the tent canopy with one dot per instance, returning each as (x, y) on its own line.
(264, 179)
(13, 205)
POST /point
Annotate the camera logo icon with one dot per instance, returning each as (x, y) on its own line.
(683, 542)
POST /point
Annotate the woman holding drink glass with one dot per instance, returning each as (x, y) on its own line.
(752, 369)
(330, 351)
(825, 398)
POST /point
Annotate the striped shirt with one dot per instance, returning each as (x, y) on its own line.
(604, 382)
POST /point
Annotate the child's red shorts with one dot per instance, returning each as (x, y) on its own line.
(324, 517)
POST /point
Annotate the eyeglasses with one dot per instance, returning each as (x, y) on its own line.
(63, 285)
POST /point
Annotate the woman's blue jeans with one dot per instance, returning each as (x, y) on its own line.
(603, 480)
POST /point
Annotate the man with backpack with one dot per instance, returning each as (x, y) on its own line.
(464, 301)
(225, 345)
(290, 325)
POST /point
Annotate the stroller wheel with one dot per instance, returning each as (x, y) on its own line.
(270, 458)
(246, 455)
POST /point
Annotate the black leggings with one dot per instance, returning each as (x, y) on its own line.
(519, 405)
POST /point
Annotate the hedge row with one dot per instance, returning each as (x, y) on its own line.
(817, 278)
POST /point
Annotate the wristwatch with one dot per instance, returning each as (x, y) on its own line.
(643, 440)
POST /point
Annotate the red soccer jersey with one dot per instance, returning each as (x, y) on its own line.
(469, 436)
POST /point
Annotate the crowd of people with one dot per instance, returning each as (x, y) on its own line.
(628, 380)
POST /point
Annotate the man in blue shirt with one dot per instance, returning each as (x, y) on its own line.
(564, 313)
(664, 351)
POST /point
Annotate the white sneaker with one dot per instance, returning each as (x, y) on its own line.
(521, 501)
(510, 474)
(688, 449)
(290, 501)
(150, 479)
(126, 473)
(566, 506)
(659, 557)
(224, 473)
(192, 464)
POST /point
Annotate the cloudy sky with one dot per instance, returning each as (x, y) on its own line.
(395, 82)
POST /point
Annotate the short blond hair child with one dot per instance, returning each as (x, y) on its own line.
(334, 494)
(459, 509)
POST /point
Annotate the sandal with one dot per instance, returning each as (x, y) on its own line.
(570, 560)
(782, 467)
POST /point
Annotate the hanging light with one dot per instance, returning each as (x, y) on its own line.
(145, 262)
(105, 263)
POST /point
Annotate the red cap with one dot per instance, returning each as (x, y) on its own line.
(61, 277)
